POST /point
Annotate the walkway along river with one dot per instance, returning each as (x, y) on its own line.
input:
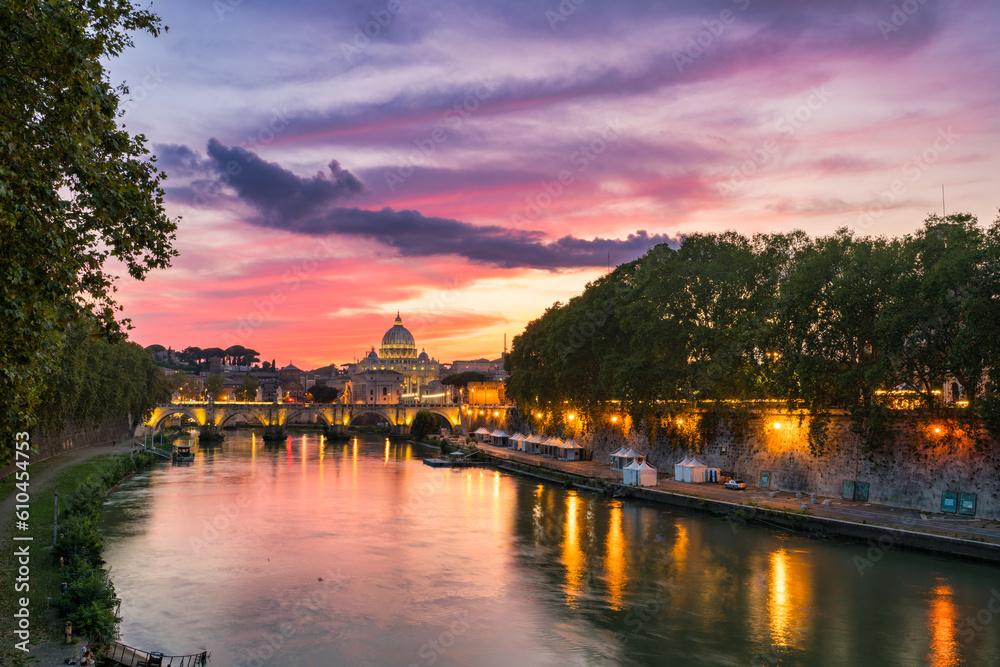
(315, 553)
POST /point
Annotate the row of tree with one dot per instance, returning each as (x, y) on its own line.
(235, 355)
(97, 379)
(840, 321)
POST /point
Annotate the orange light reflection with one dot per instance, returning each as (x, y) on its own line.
(572, 555)
(614, 562)
(941, 627)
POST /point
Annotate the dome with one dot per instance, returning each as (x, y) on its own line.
(423, 356)
(371, 355)
(397, 343)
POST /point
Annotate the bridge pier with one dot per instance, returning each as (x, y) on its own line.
(274, 432)
(209, 433)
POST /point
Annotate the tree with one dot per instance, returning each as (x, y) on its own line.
(193, 355)
(424, 423)
(79, 195)
(214, 385)
(464, 378)
(248, 391)
(322, 394)
(153, 349)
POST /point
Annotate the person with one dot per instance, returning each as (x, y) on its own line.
(88, 659)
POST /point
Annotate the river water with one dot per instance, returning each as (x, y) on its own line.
(316, 553)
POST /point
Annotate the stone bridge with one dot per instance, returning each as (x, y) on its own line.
(212, 417)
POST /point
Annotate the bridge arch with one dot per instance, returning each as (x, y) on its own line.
(254, 416)
(161, 415)
(384, 415)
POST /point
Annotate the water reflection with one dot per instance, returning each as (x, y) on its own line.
(941, 626)
(573, 558)
(542, 575)
(614, 561)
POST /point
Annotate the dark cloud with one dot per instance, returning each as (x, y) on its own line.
(278, 193)
(309, 206)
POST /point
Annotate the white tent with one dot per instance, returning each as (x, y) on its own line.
(481, 434)
(639, 473)
(500, 438)
(570, 451)
(534, 444)
(679, 468)
(616, 458)
(698, 470)
(517, 442)
(551, 446)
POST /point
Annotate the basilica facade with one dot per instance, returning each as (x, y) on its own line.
(396, 372)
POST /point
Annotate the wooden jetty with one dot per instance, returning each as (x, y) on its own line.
(121, 654)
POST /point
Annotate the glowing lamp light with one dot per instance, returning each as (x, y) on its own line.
(614, 419)
(776, 425)
(680, 421)
(496, 414)
(937, 430)
(571, 417)
(539, 415)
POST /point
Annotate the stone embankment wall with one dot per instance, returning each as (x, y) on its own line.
(924, 459)
(45, 444)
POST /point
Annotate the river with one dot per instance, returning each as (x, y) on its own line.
(315, 553)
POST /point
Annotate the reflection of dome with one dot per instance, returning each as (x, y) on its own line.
(397, 343)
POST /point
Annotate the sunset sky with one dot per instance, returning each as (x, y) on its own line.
(469, 164)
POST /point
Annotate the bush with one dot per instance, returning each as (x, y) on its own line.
(424, 423)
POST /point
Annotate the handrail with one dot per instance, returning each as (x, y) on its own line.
(133, 657)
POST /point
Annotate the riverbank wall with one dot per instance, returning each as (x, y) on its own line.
(46, 443)
(922, 460)
(878, 538)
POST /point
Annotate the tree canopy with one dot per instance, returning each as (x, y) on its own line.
(818, 323)
(464, 378)
(80, 197)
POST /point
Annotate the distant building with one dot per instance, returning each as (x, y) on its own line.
(292, 383)
(487, 393)
(397, 355)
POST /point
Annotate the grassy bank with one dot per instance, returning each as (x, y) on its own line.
(82, 489)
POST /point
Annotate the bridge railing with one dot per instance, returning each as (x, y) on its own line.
(133, 657)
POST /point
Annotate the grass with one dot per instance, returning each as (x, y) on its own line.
(46, 577)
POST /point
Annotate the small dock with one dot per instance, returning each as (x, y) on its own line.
(458, 463)
(121, 654)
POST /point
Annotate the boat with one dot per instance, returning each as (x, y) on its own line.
(182, 454)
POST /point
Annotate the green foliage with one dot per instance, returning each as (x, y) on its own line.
(96, 379)
(214, 385)
(323, 394)
(464, 378)
(424, 423)
(833, 322)
(248, 390)
(78, 193)
(89, 602)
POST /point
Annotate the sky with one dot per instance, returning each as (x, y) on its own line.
(470, 164)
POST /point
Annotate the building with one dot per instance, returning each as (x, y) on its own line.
(293, 383)
(397, 361)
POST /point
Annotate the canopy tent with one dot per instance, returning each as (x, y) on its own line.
(533, 445)
(480, 434)
(616, 458)
(680, 467)
(639, 473)
(698, 471)
(551, 446)
(517, 441)
(500, 438)
(570, 451)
